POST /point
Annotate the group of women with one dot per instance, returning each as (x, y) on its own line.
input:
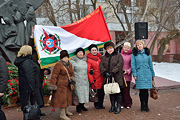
(91, 71)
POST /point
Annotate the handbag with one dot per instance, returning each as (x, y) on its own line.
(111, 88)
(30, 111)
(93, 95)
(153, 93)
(71, 82)
(75, 99)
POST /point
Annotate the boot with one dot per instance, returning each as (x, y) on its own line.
(112, 99)
(101, 98)
(142, 106)
(96, 105)
(118, 99)
(63, 114)
(146, 104)
(41, 114)
(67, 112)
(78, 108)
(142, 102)
(82, 107)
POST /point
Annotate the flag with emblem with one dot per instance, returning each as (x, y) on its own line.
(50, 40)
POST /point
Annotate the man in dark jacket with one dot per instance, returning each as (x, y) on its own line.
(3, 82)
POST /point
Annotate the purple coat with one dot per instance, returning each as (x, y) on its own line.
(127, 64)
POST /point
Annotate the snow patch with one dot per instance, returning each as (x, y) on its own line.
(170, 71)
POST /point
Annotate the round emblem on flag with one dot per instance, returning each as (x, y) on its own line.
(50, 43)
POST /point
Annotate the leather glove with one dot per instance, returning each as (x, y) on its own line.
(108, 74)
(91, 72)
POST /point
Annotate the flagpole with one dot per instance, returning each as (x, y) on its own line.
(98, 2)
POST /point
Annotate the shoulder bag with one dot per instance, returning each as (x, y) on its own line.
(71, 82)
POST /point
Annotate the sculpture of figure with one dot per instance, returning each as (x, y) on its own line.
(10, 35)
(13, 33)
(1, 31)
(30, 18)
(18, 19)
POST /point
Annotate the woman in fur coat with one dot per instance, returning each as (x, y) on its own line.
(112, 66)
(61, 96)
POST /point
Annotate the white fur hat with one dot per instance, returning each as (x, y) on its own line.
(127, 43)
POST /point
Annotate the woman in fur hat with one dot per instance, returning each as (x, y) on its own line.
(79, 63)
(94, 74)
(126, 53)
(143, 73)
(61, 96)
(112, 66)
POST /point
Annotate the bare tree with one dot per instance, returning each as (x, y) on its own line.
(121, 7)
(173, 34)
(162, 11)
(50, 12)
(94, 2)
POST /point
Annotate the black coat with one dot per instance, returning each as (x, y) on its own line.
(29, 79)
(3, 74)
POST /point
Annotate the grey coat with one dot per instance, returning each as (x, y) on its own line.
(81, 77)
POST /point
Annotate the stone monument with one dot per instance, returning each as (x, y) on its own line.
(13, 32)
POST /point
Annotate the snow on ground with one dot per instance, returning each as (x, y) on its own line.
(169, 71)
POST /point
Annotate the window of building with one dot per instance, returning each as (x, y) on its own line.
(101, 50)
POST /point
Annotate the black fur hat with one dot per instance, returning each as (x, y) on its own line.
(108, 44)
(80, 49)
(64, 53)
(91, 46)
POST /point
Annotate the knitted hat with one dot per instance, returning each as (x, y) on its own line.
(92, 46)
(127, 43)
(80, 49)
(108, 44)
(63, 54)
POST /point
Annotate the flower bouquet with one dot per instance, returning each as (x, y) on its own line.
(46, 91)
(11, 95)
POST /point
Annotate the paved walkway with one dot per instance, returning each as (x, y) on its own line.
(167, 107)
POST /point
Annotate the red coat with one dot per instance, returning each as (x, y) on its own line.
(93, 62)
(127, 64)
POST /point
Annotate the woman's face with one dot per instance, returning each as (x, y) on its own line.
(110, 50)
(126, 48)
(140, 46)
(65, 59)
(80, 54)
(94, 51)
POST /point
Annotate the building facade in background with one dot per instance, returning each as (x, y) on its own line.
(134, 12)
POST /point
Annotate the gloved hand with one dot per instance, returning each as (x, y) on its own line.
(91, 72)
(108, 74)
